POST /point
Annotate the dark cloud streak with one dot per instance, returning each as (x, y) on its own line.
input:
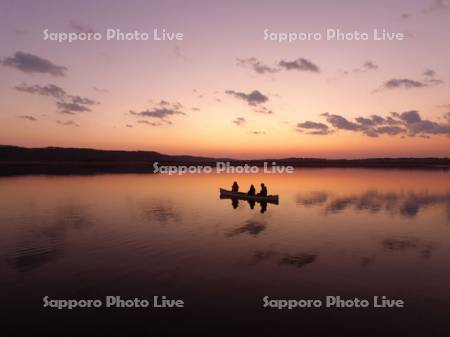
(253, 98)
(300, 64)
(408, 123)
(256, 65)
(29, 63)
(68, 104)
(28, 117)
(162, 110)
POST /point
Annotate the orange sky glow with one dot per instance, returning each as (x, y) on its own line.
(224, 90)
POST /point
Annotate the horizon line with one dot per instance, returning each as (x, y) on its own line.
(215, 157)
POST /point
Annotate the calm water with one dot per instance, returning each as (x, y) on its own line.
(347, 232)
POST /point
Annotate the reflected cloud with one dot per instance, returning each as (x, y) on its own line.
(314, 198)
(33, 257)
(414, 202)
(367, 261)
(66, 217)
(163, 213)
(339, 204)
(45, 241)
(405, 244)
(251, 227)
(262, 255)
(298, 260)
(406, 204)
(294, 260)
(399, 244)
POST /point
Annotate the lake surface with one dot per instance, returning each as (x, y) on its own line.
(344, 232)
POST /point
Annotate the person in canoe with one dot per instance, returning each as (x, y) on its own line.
(252, 190)
(263, 192)
(235, 187)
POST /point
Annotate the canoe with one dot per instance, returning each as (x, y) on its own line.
(225, 194)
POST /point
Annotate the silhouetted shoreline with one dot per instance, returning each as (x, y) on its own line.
(56, 160)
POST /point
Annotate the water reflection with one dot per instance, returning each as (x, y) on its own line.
(367, 261)
(262, 255)
(298, 260)
(141, 235)
(44, 242)
(425, 249)
(251, 227)
(406, 204)
(29, 258)
(251, 204)
(311, 199)
(160, 212)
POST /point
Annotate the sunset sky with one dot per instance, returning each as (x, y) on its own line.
(224, 90)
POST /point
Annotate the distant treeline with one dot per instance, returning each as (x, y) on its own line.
(54, 160)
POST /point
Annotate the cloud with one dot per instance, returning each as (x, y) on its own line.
(418, 126)
(408, 123)
(256, 65)
(162, 110)
(65, 103)
(29, 63)
(428, 80)
(254, 98)
(164, 103)
(81, 28)
(429, 73)
(436, 5)
(369, 65)
(149, 123)
(430, 77)
(21, 32)
(447, 116)
(316, 128)
(67, 123)
(73, 104)
(28, 117)
(82, 100)
(405, 16)
(300, 64)
(47, 90)
(71, 108)
(179, 54)
(157, 113)
(366, 66)
(446, 106)
(389, 130)
(263, 110)
(100, 90)
(257, 133)
(128, 125)
(340, 122)
(239, 121)
(403, 83)
(410, 116)
(373, 120)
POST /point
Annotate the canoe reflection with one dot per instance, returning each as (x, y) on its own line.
(251, 203)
